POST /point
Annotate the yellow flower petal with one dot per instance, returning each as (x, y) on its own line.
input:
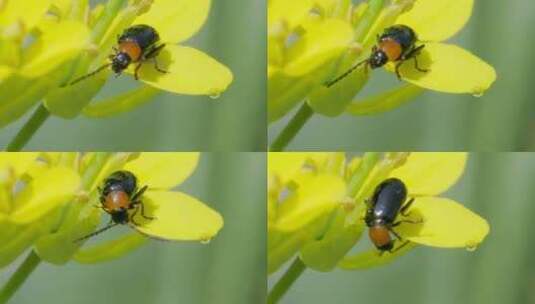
(284, 165)
(5, 72)
(315, 195)
(451, 69)
(446, 223)
(176, 20)
(62, 7)
(437, 20)
(288, 14)
(47, 191)
(428, 173)
(110, 250)
(163, 170)
(28, 12)
(178, 217)
(18, 162)
(189, 71)
(54, 47)
(323, 41)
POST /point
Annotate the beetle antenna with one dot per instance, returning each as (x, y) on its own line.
(96, 232)
(332, 82)
(90, 74)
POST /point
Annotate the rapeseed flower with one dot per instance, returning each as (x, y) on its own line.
(313, 42)
(50, 198)
(317, 205)
(46, 45)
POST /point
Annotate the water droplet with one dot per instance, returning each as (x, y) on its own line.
(471, 246)
(478, 92)
(215, 95)
(205, 241)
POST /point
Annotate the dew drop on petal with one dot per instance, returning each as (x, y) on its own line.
(478, 92)
(214, 94)
(205, 240)
(471, 246)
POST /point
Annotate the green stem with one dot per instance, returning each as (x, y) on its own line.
(28, 130)
(286, 281)
(19, 277)
(368, 19)
(292, 128)
(369, 160)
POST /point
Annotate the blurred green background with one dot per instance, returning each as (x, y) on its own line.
(499, 187)
(230, 269)
(501, 120)
(235, 35)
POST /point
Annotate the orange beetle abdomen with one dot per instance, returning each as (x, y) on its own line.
(391, 48)
(380, 236)
(116, 200)
(131, 48)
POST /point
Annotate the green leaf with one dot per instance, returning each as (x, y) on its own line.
(22, 238)
(386, 101)
(59, 247)
(372, 258)
(121, 103)
(324, 253)
(285, 92)
(18, 95)
(282, 246)
(333, 101)
(60, 101)
(110, 250)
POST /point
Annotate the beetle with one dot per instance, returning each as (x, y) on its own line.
(396, 44)
(136, 44)
(383, 208)
(118, 196)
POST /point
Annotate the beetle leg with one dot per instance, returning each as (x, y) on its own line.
(143, 213)
(397, 69)
(405, 207)
(138, 66)
(157, 67)
(152, 55)
(414, 54)
(406, 221)
(133, 215)
(138, 194)
(395, 233)
(155, 51)
(399, 247)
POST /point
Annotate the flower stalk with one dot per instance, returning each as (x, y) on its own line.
(19, 277)
(286, 281)
(29, 129)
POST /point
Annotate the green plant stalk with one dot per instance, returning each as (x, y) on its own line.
(110, 12)
(369, 160)
(292, 128)
(286, 281)
(24, 135)
(19, 277)
(368, 19)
